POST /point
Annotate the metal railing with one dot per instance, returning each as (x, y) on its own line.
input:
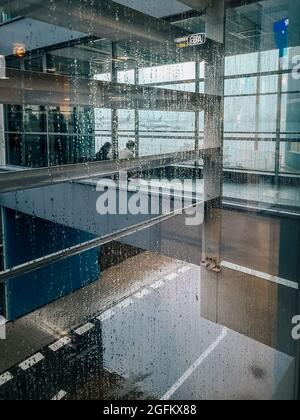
(43, 177)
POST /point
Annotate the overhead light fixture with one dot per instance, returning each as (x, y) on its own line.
(19, 50)
(120, 59)
(116, 98)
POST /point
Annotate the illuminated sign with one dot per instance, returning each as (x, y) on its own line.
(191, 40)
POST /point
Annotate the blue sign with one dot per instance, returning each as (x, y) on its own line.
(281, 30)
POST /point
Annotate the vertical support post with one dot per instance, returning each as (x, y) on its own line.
(136, 118)
(2, 138)
(213, 172)
(197, 113)
(278, 122)
(257, 106)
(48, 146)
(258, 84)
(214, 20)
(2, 129)
(3, 287)
(213, 160)
(114, 112)
(23, 142)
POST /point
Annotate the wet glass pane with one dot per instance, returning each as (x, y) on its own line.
(149, 200)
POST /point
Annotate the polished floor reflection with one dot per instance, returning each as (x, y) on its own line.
(141, 338)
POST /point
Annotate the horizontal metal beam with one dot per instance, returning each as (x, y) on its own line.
(103, 18)
(59, 256)
(42, 89)
(107, 19)
(43, 177)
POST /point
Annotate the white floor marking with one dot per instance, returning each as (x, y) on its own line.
(84, 329)
(157, 285)
(60, 344)
(142, 294)
(32, 361)
(124, 304)
(264, 276)
(171, 276)
(106, 315)
(59, 396)
(6, 377)
(194, 366)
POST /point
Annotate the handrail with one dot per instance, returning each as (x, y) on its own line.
(59, 256)
(42, 177)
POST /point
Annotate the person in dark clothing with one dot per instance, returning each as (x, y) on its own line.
(105, 152)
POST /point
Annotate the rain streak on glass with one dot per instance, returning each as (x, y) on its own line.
(149, 200)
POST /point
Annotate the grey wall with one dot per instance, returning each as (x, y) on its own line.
(33, 34)
(74, 205)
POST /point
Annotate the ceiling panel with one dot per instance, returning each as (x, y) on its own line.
(156, 8)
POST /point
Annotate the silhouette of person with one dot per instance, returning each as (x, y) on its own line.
(105, 152)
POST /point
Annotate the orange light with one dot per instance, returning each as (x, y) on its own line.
(19, 50)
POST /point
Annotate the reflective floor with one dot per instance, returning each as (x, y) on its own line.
(149, 200)
(141, 338)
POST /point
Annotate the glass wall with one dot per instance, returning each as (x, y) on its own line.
(257, 92)
(150, 201)
(254, 110)
(6, 12)
(56, 130)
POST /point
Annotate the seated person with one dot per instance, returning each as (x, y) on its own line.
(105, 153)
(128, 153)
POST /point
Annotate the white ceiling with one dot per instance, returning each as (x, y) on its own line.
(155, 8)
